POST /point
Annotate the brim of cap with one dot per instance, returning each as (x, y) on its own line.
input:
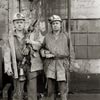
(55, 20)
(18, 19)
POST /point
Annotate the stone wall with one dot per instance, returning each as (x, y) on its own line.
(36, 10)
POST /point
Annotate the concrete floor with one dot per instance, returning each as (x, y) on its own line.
(80, 96)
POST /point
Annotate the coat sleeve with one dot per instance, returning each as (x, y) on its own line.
(37, 43)
(70, 47)
(42, 50)
(71, 50)
(73, 65)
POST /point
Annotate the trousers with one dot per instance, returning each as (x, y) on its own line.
(18, 90)
(31, 87)
(62, 85)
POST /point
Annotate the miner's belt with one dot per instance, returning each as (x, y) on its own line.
(60, 57)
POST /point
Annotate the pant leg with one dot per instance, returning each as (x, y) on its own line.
(18, 90)
(63, 89)
(32, 86)
(51, 89)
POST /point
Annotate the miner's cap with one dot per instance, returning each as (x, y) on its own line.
(54, 18)
(18, 16)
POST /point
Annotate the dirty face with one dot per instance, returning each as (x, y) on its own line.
(56, 26)
(19, 24)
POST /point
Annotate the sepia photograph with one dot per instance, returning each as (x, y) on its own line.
(49, 50)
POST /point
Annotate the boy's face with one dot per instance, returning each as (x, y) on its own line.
(19, 24)
(56, 26)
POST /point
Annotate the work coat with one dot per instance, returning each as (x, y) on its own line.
(56, 68)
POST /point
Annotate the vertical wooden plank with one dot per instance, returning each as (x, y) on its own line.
(13, 7)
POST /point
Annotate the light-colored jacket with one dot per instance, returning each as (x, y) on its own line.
(36, 42)
(10, 63)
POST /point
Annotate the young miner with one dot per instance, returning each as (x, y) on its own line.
(15, 54)
(34, 41)
(23, 47)
(56, 54)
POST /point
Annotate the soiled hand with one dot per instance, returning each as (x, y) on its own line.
(9, 73)
(49, 55)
